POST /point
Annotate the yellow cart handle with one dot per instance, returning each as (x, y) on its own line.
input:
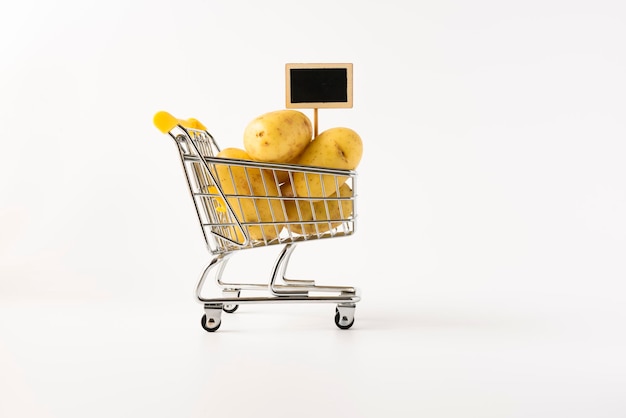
(165, 122)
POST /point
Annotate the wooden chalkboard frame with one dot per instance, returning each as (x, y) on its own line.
(318, 67)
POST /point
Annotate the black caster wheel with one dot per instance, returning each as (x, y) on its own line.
(342, 323)
(230, 308)
(212, 325)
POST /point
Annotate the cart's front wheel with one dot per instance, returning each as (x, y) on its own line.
(343, 321)
(211, 325)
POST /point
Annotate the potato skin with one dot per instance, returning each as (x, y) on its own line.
(261, 183)
(324, 211)
(338, 147)
(278, 136)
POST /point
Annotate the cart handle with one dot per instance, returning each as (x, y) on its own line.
(165, 122)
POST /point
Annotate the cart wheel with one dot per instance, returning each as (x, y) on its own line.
(212, 326)
(343, 322)
(230, 308)
(231, 293)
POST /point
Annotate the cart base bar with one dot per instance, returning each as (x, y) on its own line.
(288, 291)
(354, 298)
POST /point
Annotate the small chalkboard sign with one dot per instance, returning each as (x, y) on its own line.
(313, 86)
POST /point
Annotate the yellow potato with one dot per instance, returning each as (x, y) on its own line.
(321, 210)
(278, 136)
(246, 181)
(282, 176)
(334, 148)
(286, 189)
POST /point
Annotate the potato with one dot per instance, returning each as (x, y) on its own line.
(282, 176)
(286, 189)
(324, 210)
(334, 148)
(250, 182)
(278, 136)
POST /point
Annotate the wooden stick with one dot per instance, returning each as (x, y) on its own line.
(315, 122)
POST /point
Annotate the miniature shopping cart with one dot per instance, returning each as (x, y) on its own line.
(293, 219)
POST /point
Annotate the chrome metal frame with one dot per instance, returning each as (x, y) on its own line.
(222, 230)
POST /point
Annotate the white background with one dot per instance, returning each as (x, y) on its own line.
(492, 200)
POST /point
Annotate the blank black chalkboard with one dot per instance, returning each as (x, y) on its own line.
(318, 85)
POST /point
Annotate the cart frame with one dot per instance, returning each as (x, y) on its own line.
(226, 231)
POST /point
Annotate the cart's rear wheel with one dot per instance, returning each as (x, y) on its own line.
(230, 308)
(230, 293)
(211, 325)
(343, 322)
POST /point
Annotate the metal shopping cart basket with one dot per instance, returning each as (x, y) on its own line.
(235, 214)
